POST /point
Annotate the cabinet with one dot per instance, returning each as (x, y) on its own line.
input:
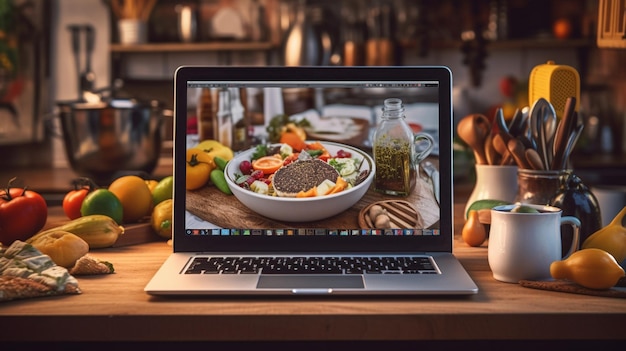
(612, 24)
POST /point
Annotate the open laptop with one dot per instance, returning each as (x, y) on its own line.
(212, 229)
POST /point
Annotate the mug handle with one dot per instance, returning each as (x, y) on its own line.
(575, 223)
(419, 138)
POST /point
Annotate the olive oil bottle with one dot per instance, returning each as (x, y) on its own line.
(393, 150)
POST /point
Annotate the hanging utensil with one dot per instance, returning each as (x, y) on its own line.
(88, 77)
(75, 36)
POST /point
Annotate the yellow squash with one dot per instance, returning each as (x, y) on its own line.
(98, 231)
(611, 238)
(64, 248)
(591, 268)
(474, 232)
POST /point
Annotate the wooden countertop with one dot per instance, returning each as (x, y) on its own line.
(115, 308)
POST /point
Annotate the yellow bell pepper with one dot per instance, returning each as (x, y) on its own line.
(611, 238)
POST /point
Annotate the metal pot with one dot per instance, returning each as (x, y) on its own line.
(107, 137)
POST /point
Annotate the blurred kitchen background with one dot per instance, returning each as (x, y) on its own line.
(491, 47)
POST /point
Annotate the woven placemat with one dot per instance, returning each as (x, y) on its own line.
(569, 287)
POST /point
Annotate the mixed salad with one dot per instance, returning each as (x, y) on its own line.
(256, 173)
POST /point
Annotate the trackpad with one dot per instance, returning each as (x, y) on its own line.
(310, 282)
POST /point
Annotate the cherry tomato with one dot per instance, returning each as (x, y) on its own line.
(343, 154)
(73, 200)
(22, 213)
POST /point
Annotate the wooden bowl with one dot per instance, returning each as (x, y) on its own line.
(401, 213)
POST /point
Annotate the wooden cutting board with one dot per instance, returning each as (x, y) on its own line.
(223, 210)
(401, 213)
(134, 233)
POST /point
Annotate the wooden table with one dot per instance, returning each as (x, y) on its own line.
(115, 308)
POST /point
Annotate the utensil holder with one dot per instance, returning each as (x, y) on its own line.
(494, 183)
(539, 186)
(132, 31)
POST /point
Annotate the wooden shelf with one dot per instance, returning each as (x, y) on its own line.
(513, 44)
(192, 47)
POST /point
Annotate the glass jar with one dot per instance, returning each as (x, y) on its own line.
(539, 186)
(396, 151)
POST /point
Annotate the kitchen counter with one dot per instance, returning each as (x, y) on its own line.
(115, 308)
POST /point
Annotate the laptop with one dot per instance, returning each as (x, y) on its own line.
(223, 247)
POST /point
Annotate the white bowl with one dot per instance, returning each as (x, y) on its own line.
(301, 209)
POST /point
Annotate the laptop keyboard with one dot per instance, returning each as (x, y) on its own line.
(312, 265)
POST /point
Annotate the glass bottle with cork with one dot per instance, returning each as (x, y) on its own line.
(224, 118)
(395, 153)
(205, 114)
(240, 118)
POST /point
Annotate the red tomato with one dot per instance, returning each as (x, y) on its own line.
(22, 214)
(73, 200)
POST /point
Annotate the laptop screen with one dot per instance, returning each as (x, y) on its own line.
(298, 159)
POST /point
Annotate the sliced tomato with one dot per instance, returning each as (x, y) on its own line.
(289, 159)
(267, 164)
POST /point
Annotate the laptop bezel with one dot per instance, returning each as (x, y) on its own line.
(189, 243)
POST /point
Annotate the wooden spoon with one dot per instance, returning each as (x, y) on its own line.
(516, 148)
(534, 160)
(501, 148)
(473, 130)
(492, 155)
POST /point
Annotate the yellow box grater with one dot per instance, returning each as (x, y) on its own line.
(554, 83)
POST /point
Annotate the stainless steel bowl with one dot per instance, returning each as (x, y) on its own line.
(105, 138)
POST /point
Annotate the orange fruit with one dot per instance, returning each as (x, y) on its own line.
(292, 139)
(151, 183)
(135, 196)
(267, 164)
(562, 28)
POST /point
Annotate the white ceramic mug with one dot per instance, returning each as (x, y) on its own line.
(523, 245)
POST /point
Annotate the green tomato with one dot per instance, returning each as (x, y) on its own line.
(103, 202)
(163, 190)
